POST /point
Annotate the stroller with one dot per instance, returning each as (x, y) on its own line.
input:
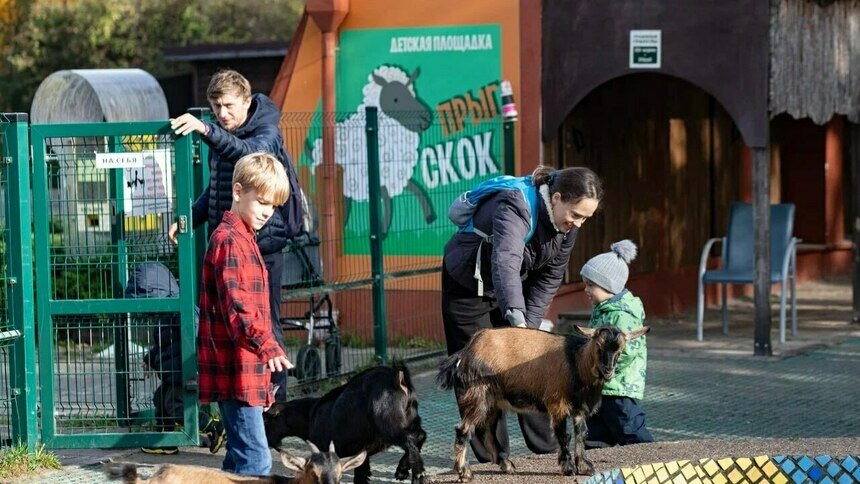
(303, 278)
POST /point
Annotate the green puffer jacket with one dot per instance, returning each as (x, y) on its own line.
(625, 312)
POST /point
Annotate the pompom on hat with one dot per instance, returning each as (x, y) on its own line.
(610, 270)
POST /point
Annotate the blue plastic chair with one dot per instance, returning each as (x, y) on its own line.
(737, 261)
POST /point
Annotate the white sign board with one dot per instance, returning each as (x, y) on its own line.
(119, 160)
(148, 188)
(645, 49)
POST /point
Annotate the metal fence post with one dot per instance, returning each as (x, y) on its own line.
(22, 377)
(200, 182)
(119, 249)
(380, 339)
(510, 158)
(185, 173)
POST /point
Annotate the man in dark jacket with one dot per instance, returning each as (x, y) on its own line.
(246, 124)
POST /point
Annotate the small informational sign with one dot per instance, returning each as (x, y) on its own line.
(147, 186)
(106, 161)
(645, 49)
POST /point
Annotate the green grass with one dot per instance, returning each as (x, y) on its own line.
(353, 340)
(416, 342)
(88, 422)
(293, 342)
(17, 461)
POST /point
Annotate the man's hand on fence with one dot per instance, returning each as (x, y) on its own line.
(171, 232)
(279, 363)
(187, 124)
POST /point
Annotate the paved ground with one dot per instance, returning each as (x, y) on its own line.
(708, 399)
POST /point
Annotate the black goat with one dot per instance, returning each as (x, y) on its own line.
(374, 410)
(527, 370)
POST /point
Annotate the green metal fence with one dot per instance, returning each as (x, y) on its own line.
(368, 272)
(105, 195)
(362, 283)
(17, 339)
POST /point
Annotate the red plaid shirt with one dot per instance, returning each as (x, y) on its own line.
(235, 335)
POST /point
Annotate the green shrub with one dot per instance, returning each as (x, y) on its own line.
(17, 461)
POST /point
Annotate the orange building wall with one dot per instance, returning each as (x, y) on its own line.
(304, 82)
(412, 303)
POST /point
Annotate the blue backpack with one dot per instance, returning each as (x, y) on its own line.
(463, 209)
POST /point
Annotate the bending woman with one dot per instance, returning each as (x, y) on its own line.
(518, 279)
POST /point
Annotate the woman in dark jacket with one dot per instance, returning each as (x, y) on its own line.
(519, 278)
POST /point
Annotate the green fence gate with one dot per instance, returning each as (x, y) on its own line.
(104, 197)
(18, 423)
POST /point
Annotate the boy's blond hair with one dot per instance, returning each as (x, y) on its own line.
(263, 173)
(228, 82)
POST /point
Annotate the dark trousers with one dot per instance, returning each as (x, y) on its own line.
(463, 314)
(275, 266)
(619, 421)
(169, 406)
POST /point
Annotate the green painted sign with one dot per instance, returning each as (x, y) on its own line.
(440, 128)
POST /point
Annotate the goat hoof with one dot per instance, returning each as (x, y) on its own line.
(466, 475)
(567, 468)
(584, 468)
(508, 467)
(420, 479)
(401, 474)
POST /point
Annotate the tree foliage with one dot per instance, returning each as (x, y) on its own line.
(38, 37)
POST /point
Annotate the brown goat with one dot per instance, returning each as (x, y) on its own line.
(318, 468)
(528, 370)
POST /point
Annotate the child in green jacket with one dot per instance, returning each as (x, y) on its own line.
(620, 420)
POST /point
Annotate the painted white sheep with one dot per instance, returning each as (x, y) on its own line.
(402, 117)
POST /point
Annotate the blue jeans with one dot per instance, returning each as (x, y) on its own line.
(247, 448)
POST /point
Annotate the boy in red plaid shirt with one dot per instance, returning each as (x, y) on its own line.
(236, 350)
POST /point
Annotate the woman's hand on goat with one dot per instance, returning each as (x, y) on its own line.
(279, 363)
(516, 318)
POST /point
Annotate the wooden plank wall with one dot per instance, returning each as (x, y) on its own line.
(669, 156)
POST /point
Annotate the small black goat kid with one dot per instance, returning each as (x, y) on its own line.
(318, 468)
(527, 370)
(374, 410)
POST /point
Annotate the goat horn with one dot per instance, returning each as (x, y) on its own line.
(314, 448)
(331, 447)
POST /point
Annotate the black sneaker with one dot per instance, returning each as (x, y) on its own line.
(217, 435)
(160, 450)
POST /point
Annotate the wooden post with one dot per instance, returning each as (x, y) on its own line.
(761, 253)
(834, 179)
(328, 15)
(854, 140)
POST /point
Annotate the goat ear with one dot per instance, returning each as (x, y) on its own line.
(292, 462)
(348, 463)
(587, 332)
(401, 382)
(639, 332)
(275, 409)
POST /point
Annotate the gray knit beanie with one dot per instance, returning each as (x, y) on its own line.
(609, 270)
